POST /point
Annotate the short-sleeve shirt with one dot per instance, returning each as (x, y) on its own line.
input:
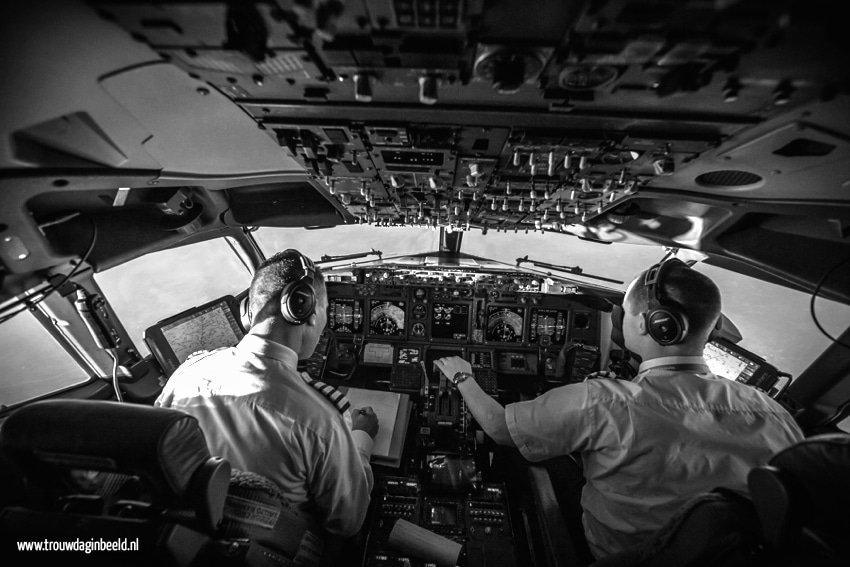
(257, 411)
(648, 445)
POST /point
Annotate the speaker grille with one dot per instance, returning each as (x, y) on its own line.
(726, 178)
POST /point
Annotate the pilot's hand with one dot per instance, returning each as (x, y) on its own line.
(365, 419)
(451, 365)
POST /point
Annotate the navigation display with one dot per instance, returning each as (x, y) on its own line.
(548, 323)
(345, 315)
(725, 361)
(504, 324)
(208, 327)
(450, 321)
(386, 318)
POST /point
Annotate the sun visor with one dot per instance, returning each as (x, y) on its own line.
(288, 204)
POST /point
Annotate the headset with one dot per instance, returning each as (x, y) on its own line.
(664, 322)
(298, 298)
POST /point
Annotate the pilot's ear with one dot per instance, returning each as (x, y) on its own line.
(313, 319)
(642, 329)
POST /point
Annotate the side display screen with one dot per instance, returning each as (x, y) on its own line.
(345, 315)
(548, 323)
(726, 362)
(504, 324)
(208, 327)
(450, 321)
(386, 318)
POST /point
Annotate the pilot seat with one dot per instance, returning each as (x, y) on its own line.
(796, 515)
(141, 478)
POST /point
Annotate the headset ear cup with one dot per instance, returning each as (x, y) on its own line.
(665, 327)
(297, 302)
(245, 314)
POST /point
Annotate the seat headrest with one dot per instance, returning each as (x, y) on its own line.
(164, 447)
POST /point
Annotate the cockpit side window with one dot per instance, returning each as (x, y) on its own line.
(158, 285)
(33, 364)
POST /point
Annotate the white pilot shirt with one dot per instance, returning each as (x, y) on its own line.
(257, 412)
(648, 445)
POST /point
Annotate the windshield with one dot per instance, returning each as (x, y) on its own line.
(774, 321)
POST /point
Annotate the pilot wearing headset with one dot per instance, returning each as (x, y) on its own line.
(260, 413)
(649, 444)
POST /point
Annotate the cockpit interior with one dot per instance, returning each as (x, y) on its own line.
(474, 178)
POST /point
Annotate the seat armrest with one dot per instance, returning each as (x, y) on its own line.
(558, 543)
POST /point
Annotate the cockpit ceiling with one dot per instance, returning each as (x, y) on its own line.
(685, 123)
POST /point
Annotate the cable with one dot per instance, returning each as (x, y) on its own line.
(26, 304)
(815, 294)
(114, 358)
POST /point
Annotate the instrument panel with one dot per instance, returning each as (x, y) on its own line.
(415, 323)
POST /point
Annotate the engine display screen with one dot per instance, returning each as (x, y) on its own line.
(345, 315)
(504, 324)
(548, 323)
(386, 318)
(450, 321)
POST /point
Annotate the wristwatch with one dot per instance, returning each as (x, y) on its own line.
(460, 377)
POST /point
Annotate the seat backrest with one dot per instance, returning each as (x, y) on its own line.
(82, 455)
(795, 515)
(717, 528)
(803, 500)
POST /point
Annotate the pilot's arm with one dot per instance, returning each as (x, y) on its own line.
(487, 411)
(342, 479)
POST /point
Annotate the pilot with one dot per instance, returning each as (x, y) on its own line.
(257, 411)
(649, 444)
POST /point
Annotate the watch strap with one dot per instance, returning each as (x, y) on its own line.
(460, 377)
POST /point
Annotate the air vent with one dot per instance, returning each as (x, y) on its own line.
(728, 179)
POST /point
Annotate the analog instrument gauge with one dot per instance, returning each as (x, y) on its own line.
(419, 293)
(550, 323)
(419, 311)
(504, 324)
(386, 318)
(418, 329)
